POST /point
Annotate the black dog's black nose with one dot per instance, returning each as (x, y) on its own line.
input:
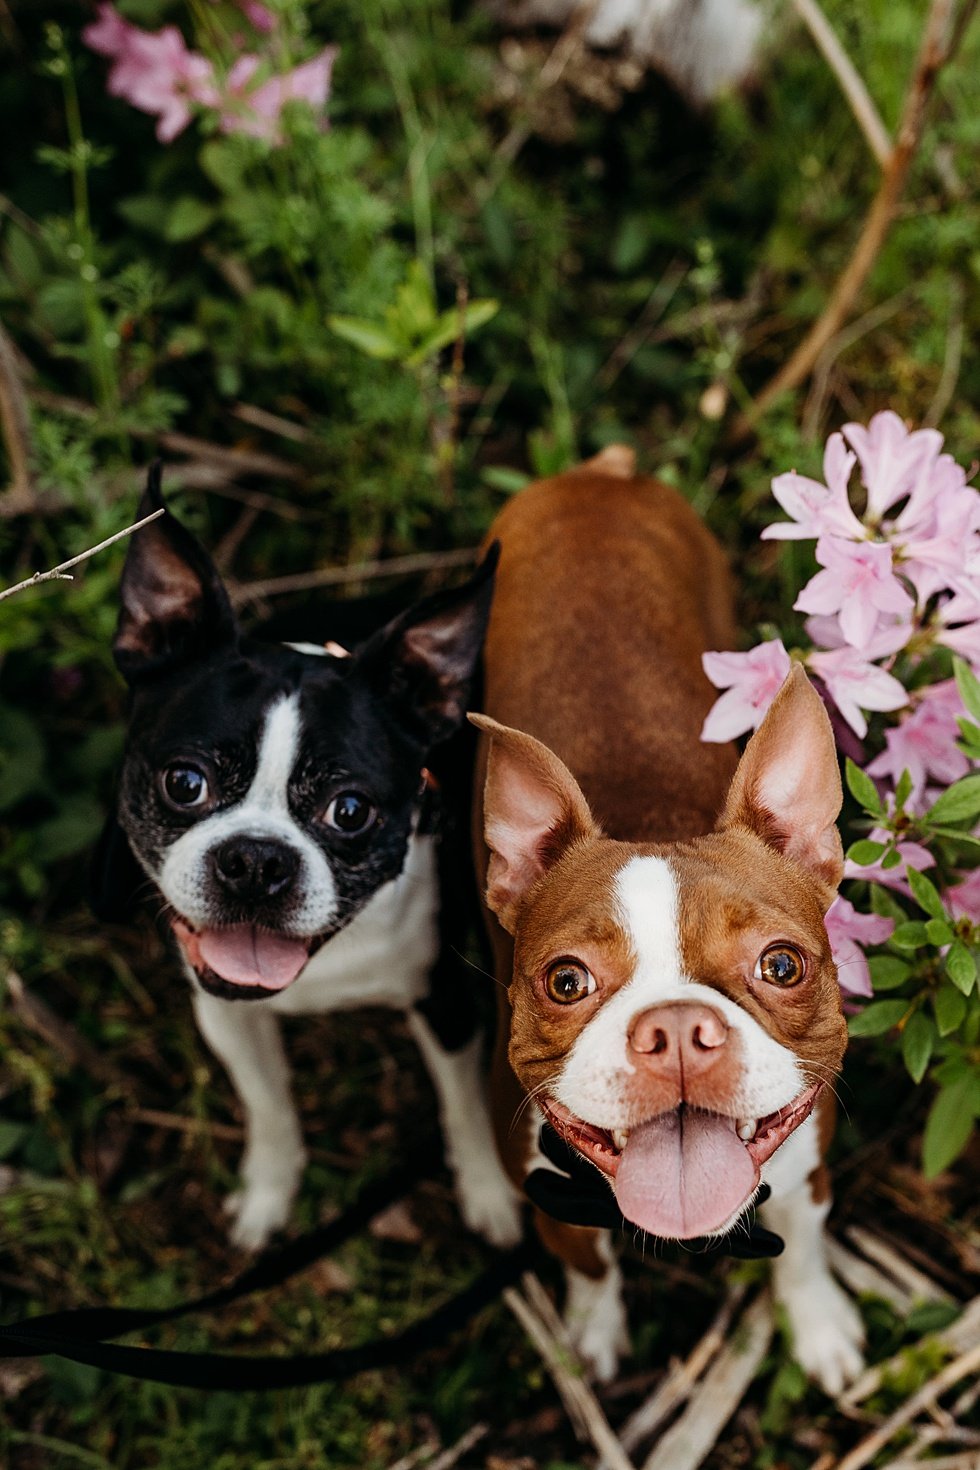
(254, 867)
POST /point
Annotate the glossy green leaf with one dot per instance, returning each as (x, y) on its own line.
(888, 972)
(862, 788)
(918, 1039)
(948, 1126)
(961, 967)
(958, 802)
(950, 1009)
(877, 1018)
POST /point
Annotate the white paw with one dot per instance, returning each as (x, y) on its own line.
(490, 1207)
(828, 1335)
(257, 1212)
(595, 1320)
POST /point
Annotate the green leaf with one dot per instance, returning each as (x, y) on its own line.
(903, 790)
(966, 839)
(74, 828)
(21, 757)
(447, 329)
(502, 477)
(969, 686)
(910, 936)
(925, 894)
(865, 852)
(888, 972)
(948, 1126)
(862, 788)
(950, 1009)
(891, 859)
(188, 217)
(878, 1017)
(918, 1039)
(961, 967)
(369, 337)
(148, 212)
(11, 1136)
(958, 802)
(939, 932)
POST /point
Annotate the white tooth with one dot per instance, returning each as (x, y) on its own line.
(746, 1131)
(619, 1137)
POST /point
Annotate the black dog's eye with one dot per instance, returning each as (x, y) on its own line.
(350, 812)
(780, 964)
(185, 786)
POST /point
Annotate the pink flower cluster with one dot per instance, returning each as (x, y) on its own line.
(156, 72)
(896, 579)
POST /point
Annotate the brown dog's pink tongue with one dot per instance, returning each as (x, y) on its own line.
(245, 955)
(684, 1174)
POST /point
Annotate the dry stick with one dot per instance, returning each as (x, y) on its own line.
(60, 573)
(16, 424)
(952, 1374)
(851, 82)
(869, 321)
(901, 1270)
(463, 1445)
(365, 571)
(687, 1443)
(60, 1034)
(862, 1277)
(273, 423)
(965, 1460)
(580, 1402)
(957, 1337)
(676, 1387)
(933, 52)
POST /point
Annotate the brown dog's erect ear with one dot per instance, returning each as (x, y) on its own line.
(787, 786)
(174, 604)
(423, 661)
(533, 809)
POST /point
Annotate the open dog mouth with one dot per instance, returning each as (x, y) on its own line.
(242, 960)
(688, 1172)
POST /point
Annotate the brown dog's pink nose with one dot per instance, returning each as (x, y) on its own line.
(684, 1034)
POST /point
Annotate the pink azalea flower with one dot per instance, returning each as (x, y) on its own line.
(152, 70)
(858, 583)
(890, 636)
(261, 18)
(817, 510)
(892, 458)
(255, 111)
(963, 898)
(848, 930)
(924, 742)
(752, 681)
(856, 685)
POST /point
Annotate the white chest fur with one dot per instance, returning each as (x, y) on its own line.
(383, 956)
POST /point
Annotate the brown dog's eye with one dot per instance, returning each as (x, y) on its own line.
(780, 964)
(567, 981)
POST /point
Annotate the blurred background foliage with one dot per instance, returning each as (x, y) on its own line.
(283, 325)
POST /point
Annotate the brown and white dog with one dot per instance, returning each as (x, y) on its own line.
(670, 1002)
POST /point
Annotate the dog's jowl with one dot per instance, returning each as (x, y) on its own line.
(272, 796)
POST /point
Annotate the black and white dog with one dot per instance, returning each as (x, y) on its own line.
(272, 794)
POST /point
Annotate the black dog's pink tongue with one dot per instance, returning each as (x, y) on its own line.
(684, 1174)
(246, 955)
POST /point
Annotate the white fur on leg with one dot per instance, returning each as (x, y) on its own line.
(487, 1200)
(595, 1315)
(245, 1036)
(827, 1330)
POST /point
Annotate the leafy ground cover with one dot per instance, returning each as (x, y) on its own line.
(283, 322)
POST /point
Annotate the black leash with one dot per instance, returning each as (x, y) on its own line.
(578, 1195)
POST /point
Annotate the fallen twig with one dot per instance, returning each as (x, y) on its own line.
(60, 573)
(60, 1034)
(677, 1386)
(687, 1443)
(861, 1276)
(953, 1373)
(272, 423)
(936, 48)
(889, 1259)
(851, 82)
(958, 1337)
(15, 422)
(365, 571)
(583, 1408)
(463, 1445)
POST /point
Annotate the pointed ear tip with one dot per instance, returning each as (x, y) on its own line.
(153, 491)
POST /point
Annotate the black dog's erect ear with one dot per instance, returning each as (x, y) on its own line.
(174, 604)
(424, 659)
(115, 877)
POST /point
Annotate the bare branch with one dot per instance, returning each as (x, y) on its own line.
(935, 49)
(952, 1374)
(546, 1333)
(60, 573)
(851, 82)
(365, 571)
